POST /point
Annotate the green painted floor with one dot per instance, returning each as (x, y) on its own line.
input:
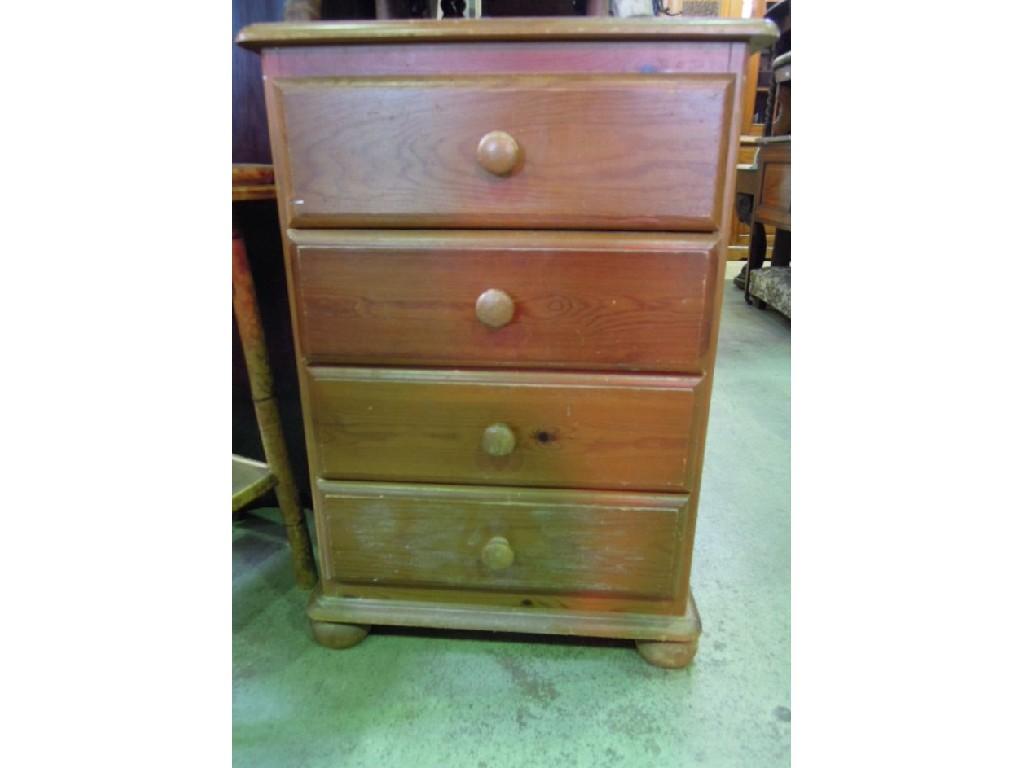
(425, 698)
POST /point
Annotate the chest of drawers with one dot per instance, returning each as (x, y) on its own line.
(505, 243)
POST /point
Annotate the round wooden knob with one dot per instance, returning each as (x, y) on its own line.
(495, 308)
(499, 440)
(497, 554)
(498, 153)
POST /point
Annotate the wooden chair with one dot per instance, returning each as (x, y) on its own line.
(251, 479)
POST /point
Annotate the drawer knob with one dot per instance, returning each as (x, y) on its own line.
(499, 440)
(498, 153)
(497, 554)
(494, 308)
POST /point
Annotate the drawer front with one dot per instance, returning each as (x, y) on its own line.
(578, 301)
(507, 539)
(505, 428)
(641, 151)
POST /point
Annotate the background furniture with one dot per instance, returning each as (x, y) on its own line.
(780, 100)
(250, 478)
(506, 363)
(755, 95)
(781, 15)
(754, 238)
(771, 206)
(746, 180)
(761, 108)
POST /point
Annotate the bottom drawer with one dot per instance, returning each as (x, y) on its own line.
(502, 539)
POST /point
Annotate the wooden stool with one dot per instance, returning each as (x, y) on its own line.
(251, 479)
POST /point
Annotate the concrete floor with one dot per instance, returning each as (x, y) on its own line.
(425, 698)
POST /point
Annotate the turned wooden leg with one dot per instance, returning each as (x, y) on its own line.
(257, 364)
(667, 655)
(338, 636)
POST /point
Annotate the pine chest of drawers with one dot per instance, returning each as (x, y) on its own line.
(505, 243)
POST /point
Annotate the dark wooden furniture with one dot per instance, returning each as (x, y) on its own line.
(250, 479)
(772, 108)
(505, 243)
(746, 177)
(771, 207)
(781, 14)
(782, 70)
(774, 114)
(771, 200)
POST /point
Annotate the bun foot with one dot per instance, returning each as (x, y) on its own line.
(667, 655)
(331, 635)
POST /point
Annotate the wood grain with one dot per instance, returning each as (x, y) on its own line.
(772, 205)
(572, 430)
(758, 33)
(580, 301)
(738, 59)
(598, 151)
(555, 601)
(568, 542)
(592, 619)
(511, 58)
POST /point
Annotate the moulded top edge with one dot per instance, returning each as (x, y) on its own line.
(758, 33)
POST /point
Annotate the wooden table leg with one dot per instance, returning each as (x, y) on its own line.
(755, 254)
(254, 345)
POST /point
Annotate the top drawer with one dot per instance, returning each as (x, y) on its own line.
(568, 151)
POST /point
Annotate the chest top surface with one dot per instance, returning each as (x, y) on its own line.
(757, 33)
